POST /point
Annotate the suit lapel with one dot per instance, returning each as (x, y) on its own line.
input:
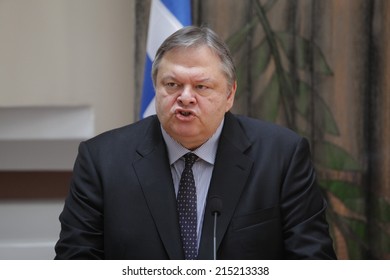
(231, 171)
(155, 177)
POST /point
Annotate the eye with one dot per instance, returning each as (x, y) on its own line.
(171, 84)
(201, 87)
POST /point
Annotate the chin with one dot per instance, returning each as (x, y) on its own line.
(186, 130)
(185, 135)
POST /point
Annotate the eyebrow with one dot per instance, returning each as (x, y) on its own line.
(205, 80)
(172, 77)
(168, 77)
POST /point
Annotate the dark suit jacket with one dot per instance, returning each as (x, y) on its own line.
(122, 205)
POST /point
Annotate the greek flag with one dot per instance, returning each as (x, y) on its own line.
(166, 16)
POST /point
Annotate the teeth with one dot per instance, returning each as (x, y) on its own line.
(185, 113)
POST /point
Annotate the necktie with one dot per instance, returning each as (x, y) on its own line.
(186, 207)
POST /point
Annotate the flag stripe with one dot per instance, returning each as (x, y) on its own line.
(182, 11)
(166, 16)
(146, 101)
(162, 23)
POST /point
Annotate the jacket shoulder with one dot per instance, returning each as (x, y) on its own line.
(260, 129)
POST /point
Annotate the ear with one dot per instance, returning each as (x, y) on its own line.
(231, 95)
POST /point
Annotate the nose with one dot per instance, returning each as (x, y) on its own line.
(186, 97)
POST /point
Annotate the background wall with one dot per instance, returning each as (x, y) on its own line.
(318, 67)
(69, 52)
(322, 69)
(58, 57)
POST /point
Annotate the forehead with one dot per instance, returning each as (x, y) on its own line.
(191, 58)
(189, 52)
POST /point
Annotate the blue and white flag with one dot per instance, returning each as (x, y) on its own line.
(166, 17)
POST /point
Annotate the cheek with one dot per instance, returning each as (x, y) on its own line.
(229, 105)
(163, 102)
(220, 105)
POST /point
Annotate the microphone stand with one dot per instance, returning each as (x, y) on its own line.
(216, 208)
(215, 235)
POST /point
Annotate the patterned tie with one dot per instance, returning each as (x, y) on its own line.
(186, 207)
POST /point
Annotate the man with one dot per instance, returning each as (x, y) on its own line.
(124, 196)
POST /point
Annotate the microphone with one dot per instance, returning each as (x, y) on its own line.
(216, 208)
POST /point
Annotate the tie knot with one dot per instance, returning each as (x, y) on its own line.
(190, 159)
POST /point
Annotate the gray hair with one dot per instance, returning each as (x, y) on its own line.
(192, 36)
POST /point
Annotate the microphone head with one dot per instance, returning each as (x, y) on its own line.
(215, 205)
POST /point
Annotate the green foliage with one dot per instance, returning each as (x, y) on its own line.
(383, 211)
(287, 95)
(304, 102)
(307, 54)
(335, 157)
(357, 231)
(270, 100)
(261, 55)
(350, 194)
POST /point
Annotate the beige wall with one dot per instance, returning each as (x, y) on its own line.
(58, 56)
(69, 52)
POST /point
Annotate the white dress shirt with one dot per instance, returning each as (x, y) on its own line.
(202, 168)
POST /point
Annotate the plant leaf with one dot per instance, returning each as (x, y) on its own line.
(303, 104)
(350, 194)
(305, 52)
(241, 72)
(303, 98)
(355, 238)
(332, 156)
(383, 210)
(239, 38)
(329, 123)
(260, 58)
(270, 100)
(320, 63)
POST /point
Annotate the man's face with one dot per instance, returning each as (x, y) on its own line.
(192, 94)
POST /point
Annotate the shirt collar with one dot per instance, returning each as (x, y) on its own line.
(206, 152)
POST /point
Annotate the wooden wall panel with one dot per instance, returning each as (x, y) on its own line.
(21, 185)
(353, 36)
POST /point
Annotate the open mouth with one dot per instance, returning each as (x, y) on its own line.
(185, 113)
